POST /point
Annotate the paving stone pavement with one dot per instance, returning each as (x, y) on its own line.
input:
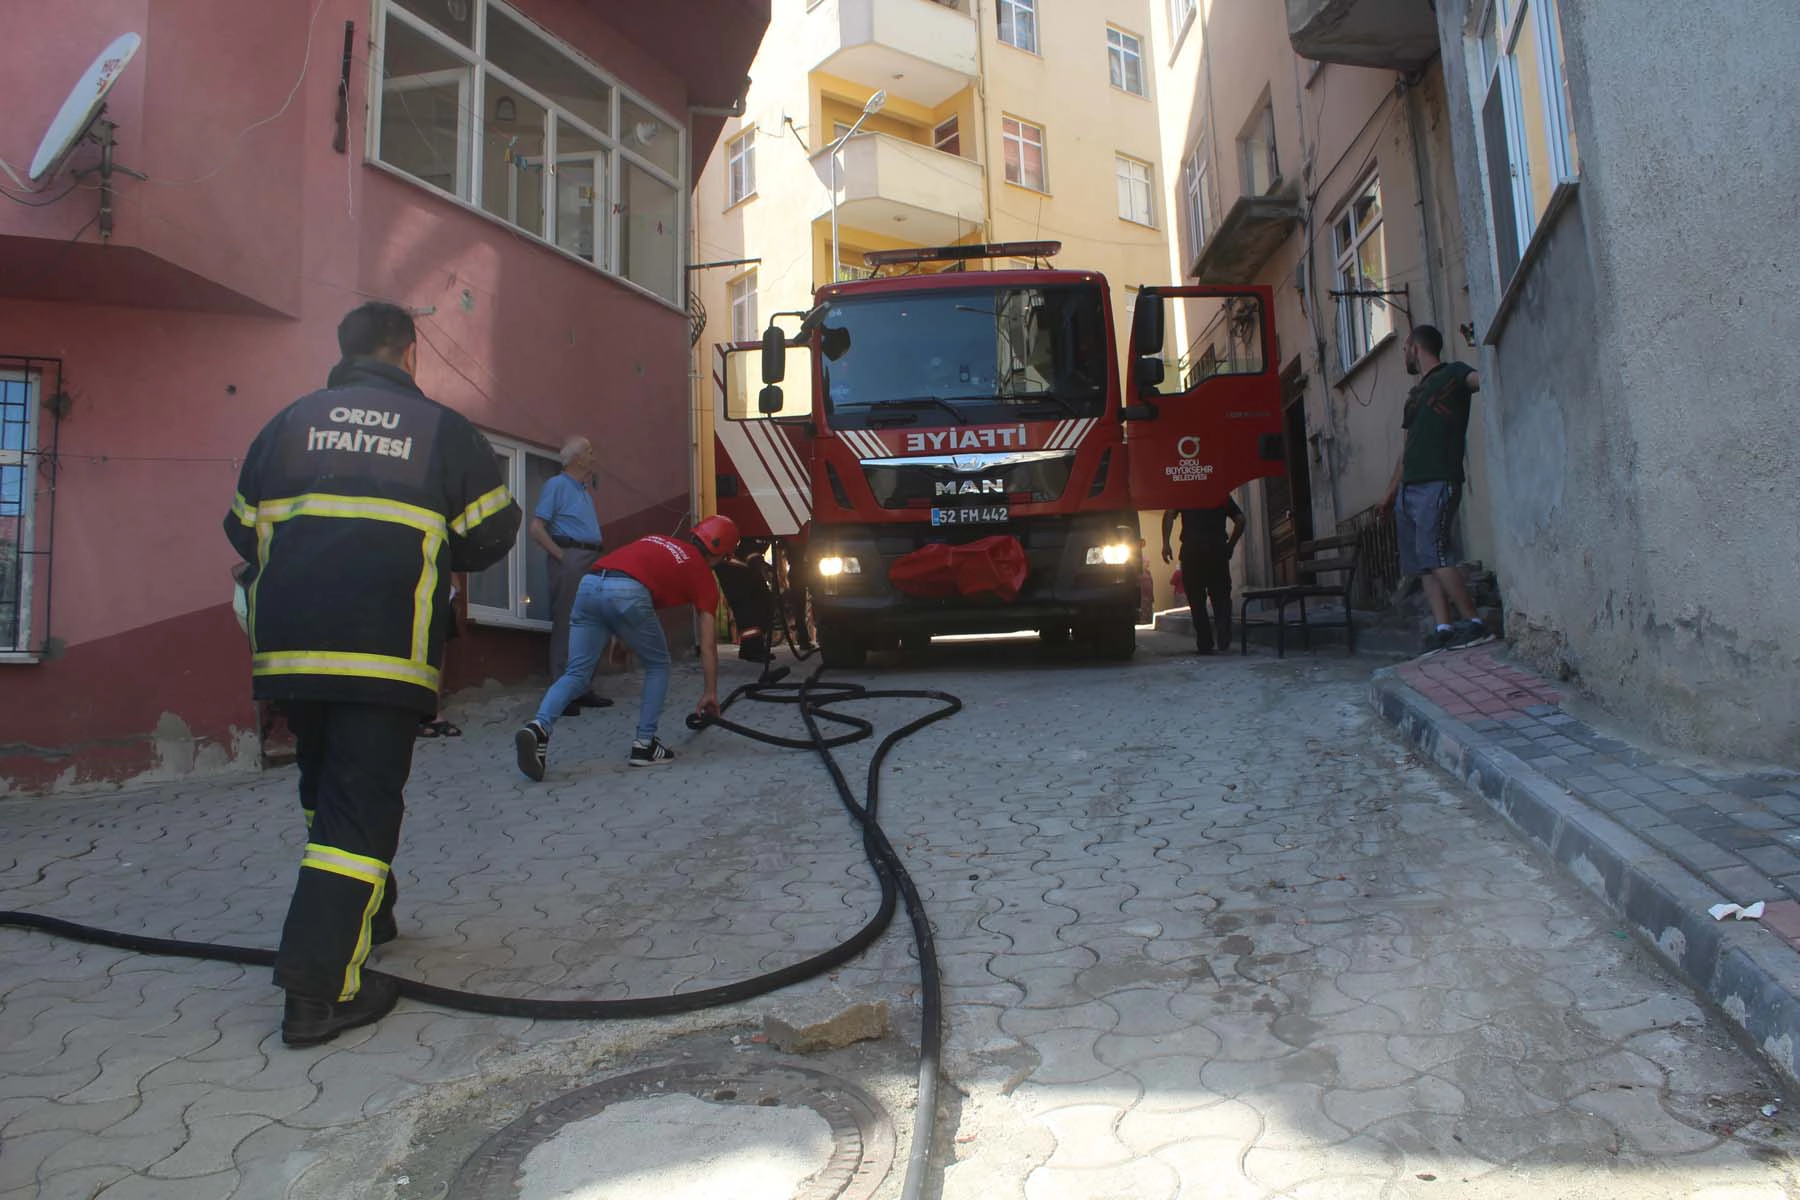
(1208, 929)
(1659, 837)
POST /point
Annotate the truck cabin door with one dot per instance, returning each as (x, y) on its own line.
(760, 471)
(1194, 438)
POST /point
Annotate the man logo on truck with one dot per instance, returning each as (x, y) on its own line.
(972, 487)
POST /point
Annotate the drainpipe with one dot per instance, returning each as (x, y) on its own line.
(1428, 231)
(981, 127)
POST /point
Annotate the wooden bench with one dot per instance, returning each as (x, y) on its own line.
(1332, 556)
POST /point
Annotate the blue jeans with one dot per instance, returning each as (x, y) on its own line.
(612, 605)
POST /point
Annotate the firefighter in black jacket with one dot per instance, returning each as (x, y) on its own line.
(354, 506)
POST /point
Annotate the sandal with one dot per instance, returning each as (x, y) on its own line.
(432, 729)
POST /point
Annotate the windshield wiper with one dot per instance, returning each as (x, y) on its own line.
(1033, 398)
(917, 402)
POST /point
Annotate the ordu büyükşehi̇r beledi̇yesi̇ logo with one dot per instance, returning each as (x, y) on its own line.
(1190, 469)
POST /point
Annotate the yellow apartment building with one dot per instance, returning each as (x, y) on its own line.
(999, 121)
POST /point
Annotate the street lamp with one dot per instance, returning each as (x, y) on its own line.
(869, 110)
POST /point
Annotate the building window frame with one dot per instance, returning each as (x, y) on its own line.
(22, 390)
(1364, 323)
(1259, 159)
(1136, 181)
(740, 168)
(1124, 53)
(1016, 24)
(741, 293)
(1525, 124)
(1196, 197)
(1181, 15)
(946, 136)
(519, 571)
(623, 147)
(1017, 136)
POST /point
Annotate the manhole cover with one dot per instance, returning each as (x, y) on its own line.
(710, 1129)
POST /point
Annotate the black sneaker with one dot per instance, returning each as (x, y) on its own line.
(309, 1022)
(754, 648)
(532, 744)
(1473, 632)
(1436, 640)
(593, 700)
(652, 754)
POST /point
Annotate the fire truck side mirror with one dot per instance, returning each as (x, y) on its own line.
(774, 359)
(1150, 374)
(1147, 324)
(768, 401)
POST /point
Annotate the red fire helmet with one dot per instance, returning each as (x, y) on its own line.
(719, 535)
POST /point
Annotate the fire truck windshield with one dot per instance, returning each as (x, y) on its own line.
(965, 355)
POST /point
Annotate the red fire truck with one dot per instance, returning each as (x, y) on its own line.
(960, 455)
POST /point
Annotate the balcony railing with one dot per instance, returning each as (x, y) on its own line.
(1398, 35)
(918, 50)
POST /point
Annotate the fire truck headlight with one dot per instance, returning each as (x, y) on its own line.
(1115, 555)
(834, 565)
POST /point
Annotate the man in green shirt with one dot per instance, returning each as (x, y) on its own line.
(1428, 483)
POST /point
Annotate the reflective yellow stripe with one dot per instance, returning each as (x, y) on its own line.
(343, 663)
(483, 508)
(371, 871)
(367, 508)
(422, 600)
(243, 510)
(365, 941)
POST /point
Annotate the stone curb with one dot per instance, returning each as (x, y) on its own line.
(1748, 972)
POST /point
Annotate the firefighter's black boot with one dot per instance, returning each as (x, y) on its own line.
(310, 1022)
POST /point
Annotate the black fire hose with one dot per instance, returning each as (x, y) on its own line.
(814, 700)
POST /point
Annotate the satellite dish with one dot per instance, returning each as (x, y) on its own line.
(85, 101)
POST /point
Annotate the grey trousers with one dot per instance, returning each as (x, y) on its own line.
(565, 581)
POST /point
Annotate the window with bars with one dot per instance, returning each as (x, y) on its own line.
(1022, 147)
(516, 590)
(1363, 320)
(1018, 23)
(1528, 136)
(26, 505)
(1135, 190)
(1125, 61)
(480, 103)
(740, 168)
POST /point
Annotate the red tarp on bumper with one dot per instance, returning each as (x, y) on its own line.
(992, 566)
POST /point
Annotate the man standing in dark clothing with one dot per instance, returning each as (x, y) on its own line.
(1428, 483)
(1206, 566)
(354, 505)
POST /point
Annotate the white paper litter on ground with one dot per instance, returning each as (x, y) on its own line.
(1741, 912)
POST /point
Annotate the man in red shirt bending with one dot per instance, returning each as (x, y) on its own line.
(619, 598)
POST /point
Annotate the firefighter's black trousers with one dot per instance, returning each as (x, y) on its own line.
(354, 760)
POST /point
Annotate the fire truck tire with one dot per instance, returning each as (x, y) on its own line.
(841, 649)
(1115, 639)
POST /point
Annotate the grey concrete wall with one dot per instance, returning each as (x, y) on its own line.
(1638, 428)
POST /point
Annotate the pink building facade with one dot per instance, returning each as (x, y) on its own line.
(516, 173)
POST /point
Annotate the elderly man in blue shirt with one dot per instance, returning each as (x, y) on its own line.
(566, 525)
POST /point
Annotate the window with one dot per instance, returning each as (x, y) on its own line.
(1525, 121)
(1134, 190)
(740, 168)
(1125, 61)
(532, 134)
(1196, 199)
(1022, 145)
(1180, 13)
(1018, 23)
(516, 590)
(1256, 151)
(947, 137)
(18, 494)
(743, 308)
(1363, 319)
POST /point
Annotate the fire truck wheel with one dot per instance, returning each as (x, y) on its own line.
(840, 649)
(1116, 640)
